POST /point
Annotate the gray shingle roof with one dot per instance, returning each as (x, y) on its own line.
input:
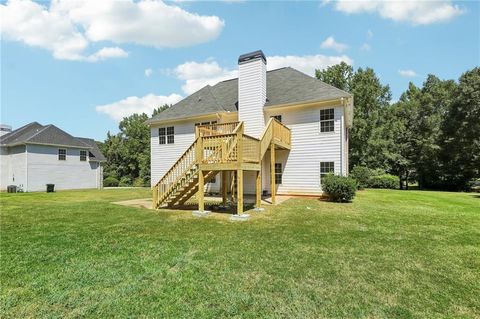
(35, 133)
(95, 153)
(284, 86)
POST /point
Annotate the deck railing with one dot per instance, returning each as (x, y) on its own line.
(216, 129)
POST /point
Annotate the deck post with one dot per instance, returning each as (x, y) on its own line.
(232, 185)
(201, 191)
(155, 197)
(272, 172)
(239, 191)
(224, 188)
(258, 191)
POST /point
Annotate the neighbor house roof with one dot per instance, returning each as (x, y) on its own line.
(284, 86)
(35, 133)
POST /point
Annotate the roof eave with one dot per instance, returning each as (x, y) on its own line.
(151, 122)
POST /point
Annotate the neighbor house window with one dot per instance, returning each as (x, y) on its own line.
(326, 120)
(166, 135)
(83, 156)
(278, 173)
(278, 118)
(326, 168)
(62, 154)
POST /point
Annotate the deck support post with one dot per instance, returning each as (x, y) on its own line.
(239, 191)
(272, 172)
(224, 188)
(232, 185)
(258, 191)
(201, 191)
(155, 197)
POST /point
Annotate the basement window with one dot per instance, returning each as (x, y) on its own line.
(83, 156)
(327, 120)
(166, 135)
(326, 168)
(62, 154)
(278, 173)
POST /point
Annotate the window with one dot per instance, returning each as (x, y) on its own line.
(206, 123)
(83, 156)
(62, 154)
(170, 135)
(326, 168)
(278, 173)
(166, 135)
(213, 180)
(326, 120)
(277, 117)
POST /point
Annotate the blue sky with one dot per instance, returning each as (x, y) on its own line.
(82, 66)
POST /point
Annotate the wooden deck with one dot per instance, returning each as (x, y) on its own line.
(224, 148)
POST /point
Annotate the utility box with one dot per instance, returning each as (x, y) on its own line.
(11, 188)
(50, 188)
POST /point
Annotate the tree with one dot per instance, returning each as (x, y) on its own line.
(460, 152)
(160, 109)
(339, 75)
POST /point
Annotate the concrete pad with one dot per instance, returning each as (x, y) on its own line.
(198, 213)
(240, 217)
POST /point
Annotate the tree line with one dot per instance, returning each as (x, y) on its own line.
(430, 136)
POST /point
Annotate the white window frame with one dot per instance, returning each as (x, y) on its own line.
(166, 135)
(327, 120)
(58, 154)
(86, 156)
(325, 173)
(279, 174)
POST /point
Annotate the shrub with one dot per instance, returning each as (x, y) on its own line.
(384, 181)
(339, 188)
(125, 181)
(110, 182)
(139, 182)
(361, 174)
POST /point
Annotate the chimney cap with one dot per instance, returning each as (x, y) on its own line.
(247, 57)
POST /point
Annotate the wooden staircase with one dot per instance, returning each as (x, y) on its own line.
(217, 147)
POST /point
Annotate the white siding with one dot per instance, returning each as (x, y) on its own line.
(163, 156)
(45, 168)
(252, 95)
(4, 167)
(301, 165)
(13, 167)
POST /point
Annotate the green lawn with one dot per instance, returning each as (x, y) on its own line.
(389, 254)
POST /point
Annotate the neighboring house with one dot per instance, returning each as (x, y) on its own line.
(35, 155)
(311, 141)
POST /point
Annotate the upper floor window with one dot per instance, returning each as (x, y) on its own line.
(83, 156)
(327, 120)
(62, 154)
(278, 118)
(166, 135)
(326, 168)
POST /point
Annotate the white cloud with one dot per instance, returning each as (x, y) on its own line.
(306, 63)
(369, 33)
(197, 74)
(414, 12)
(330, 43)
(148, 72)
(133, 104)
(407, 73)
(67, 28)
(365, 47)
(106, 53)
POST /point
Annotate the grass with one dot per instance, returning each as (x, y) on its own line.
(389, 254)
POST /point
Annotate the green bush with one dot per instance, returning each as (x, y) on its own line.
(384, 181)
(139, 182)
(110, 182)
(125, 181)
(361, 174)
(339, 188)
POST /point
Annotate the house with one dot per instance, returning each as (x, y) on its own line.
(277, 132)
(35, 155)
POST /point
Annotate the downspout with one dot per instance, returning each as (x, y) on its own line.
(26, 168)
(341, 137)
